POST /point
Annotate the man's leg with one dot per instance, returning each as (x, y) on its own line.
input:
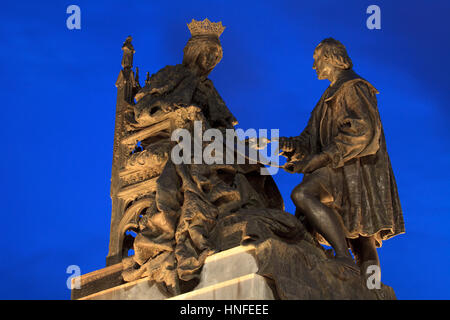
(306, 197)
(365, 251)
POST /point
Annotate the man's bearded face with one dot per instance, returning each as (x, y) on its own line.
(322, 67)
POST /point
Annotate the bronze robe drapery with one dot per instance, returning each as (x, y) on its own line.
(346, 125)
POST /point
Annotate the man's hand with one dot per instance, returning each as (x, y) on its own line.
(291, 148)
(308, 165)
(286, 144)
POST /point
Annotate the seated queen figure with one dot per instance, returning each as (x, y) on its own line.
(175, 232)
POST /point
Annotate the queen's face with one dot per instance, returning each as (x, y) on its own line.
(322, 67)
(208, 58)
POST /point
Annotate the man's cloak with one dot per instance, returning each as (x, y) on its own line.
(346, 125)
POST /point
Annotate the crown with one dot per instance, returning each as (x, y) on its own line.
(205, 27)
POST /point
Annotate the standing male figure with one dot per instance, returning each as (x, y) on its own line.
(348, 194)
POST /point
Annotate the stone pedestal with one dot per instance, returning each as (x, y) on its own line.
(227, 275)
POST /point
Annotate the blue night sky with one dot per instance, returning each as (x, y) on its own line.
(59, 105)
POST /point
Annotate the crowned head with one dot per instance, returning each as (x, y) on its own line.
(203, 50)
